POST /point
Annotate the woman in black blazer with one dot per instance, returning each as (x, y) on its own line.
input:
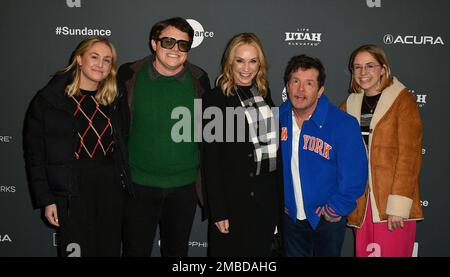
(74, 142)
(240, 154)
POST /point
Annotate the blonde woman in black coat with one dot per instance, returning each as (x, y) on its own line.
(75, 152)
(240, 166)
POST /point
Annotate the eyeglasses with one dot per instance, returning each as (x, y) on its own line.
(169, 43)
(357, 69)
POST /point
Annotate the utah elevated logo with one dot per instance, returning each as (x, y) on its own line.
(303, 37)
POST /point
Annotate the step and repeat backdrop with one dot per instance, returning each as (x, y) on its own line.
(37, 38)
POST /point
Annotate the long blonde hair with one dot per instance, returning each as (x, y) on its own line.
(225, 79)
(107, 89)
(379, 55)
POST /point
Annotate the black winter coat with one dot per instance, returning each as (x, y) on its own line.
(250, 202)
(50, 140)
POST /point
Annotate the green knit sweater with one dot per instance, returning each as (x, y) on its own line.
(155, 159)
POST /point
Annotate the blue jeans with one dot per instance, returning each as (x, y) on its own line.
(302, 241)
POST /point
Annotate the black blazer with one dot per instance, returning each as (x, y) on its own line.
(50, 139)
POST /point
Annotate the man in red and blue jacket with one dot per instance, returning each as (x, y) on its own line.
(324, 163)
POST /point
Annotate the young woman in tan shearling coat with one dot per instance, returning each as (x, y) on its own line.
(386, 215)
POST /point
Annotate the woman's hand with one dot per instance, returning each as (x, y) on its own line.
(394, 222)
(51, 213)
(223, 226)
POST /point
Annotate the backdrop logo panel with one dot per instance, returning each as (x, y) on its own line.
(84, 31)
(55, 239)
(284, 96)
(303, 37)
(74, 250)
(421, 98)
(73, 3)
(374, 250)
(201, 244)
(5, 238)
(427, 40)
(412, 39)
(7, 189)
(373, 3)
(192, 244)
(415, 250)
(6, 139)
(199, 32)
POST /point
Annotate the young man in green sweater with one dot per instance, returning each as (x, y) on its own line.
(164, 172)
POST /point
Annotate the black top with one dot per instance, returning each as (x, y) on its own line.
(93, 127)
(244, 92)
(367, 109)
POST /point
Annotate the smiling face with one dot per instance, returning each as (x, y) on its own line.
(95, 65)
(367, 73)
(169, 62)
(245, 65)
(303, 91)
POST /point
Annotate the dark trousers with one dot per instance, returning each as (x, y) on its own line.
(91, 222)
(302, 241)
(172, 209)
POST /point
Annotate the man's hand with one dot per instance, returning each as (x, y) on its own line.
(332, 219)
(329, 214)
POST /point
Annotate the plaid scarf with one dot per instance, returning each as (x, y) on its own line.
(260, 117)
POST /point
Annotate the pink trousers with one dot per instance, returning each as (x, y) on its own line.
(375, 240)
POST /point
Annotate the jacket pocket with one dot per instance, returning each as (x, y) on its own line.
(59, 178)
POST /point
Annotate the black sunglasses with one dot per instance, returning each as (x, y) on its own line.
(169, 43)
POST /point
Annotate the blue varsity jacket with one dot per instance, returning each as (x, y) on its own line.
(332, 161)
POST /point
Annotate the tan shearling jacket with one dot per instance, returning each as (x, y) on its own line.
(395, 156)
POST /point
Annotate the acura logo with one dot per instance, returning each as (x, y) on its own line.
(413, 39)
(388, 39)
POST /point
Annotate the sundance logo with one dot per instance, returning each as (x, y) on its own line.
(373, 3)
(424, 203)
(5, 238)
(6, 139)
(412, 40)
(73, 3)
(303, 37)
(199, 33)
